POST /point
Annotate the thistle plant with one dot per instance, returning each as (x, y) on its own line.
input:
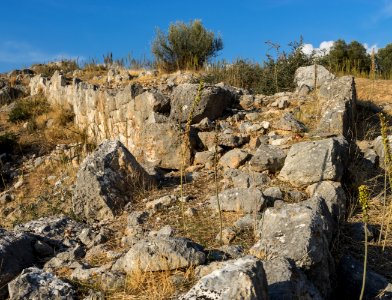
(364, 202)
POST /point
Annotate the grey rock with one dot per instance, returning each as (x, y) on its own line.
(241, 179)
(267, 157)
(306, 76)
(16, 253)
(214, 100)
(43, 249)
(356, 231)
(338, 107)
(239, 199)
(300, 232)
(296, 196)
(106, 181)
(334, 196)
(233, 251)
(247, 101)
(53, 230)
(289, 123)
(161, 253)
(350, 272)
(136, 218)
(243, 278)
(36, 284)
(286, 282)
(273, 193)
(379, 148)
(161, 203)
(246, 222)
(315, 161)
(224, 140)
(234, 158)
(205, 158)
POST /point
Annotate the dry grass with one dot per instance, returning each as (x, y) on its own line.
(379, 92)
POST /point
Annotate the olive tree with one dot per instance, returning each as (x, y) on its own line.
(185, 46)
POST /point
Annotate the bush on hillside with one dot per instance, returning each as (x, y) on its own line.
(185, 46)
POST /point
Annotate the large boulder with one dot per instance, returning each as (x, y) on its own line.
(106, 181)
(36, 284)
(306, 76)
(286, 281)
(214, 100)
(337, 101)
(239, 199)
(239, 279)
(161, 253)
(315, 161)
(16, 253)
(301, 232)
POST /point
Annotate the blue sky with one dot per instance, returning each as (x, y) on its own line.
(43, 30)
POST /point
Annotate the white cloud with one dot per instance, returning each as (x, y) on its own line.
(24, 53)
(369, 49)
(323, 49)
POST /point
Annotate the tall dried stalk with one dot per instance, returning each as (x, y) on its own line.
(216, 143)
(185, 145)
(388, 169)
(364, 202)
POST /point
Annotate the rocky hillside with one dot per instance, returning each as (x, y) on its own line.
(173, 189)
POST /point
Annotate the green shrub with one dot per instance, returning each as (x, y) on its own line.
(273, 75)
(186, 46)
(28, 108)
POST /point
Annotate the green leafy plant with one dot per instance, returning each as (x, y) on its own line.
(185, 46)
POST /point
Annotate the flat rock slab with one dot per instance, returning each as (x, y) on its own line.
(161, 253)
(239, 199)
(234, 158)
(315, 161)
(243, 278)
(36, 284)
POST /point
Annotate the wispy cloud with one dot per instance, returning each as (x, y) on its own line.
(369, 49)
(23, 53)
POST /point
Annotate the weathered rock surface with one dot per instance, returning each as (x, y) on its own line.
(214, 100)
(306, 76)
(106, 181)
(301, 232)
(338, 107)
(239, 199)
(315, 161)
(161, 253)
(234, 158)
(289, 123)
(334, 196)
(242, 179)
(267, 157)
(240, 279)
(285, 281)
(36, 284)
(350, 273)
(16, 253)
